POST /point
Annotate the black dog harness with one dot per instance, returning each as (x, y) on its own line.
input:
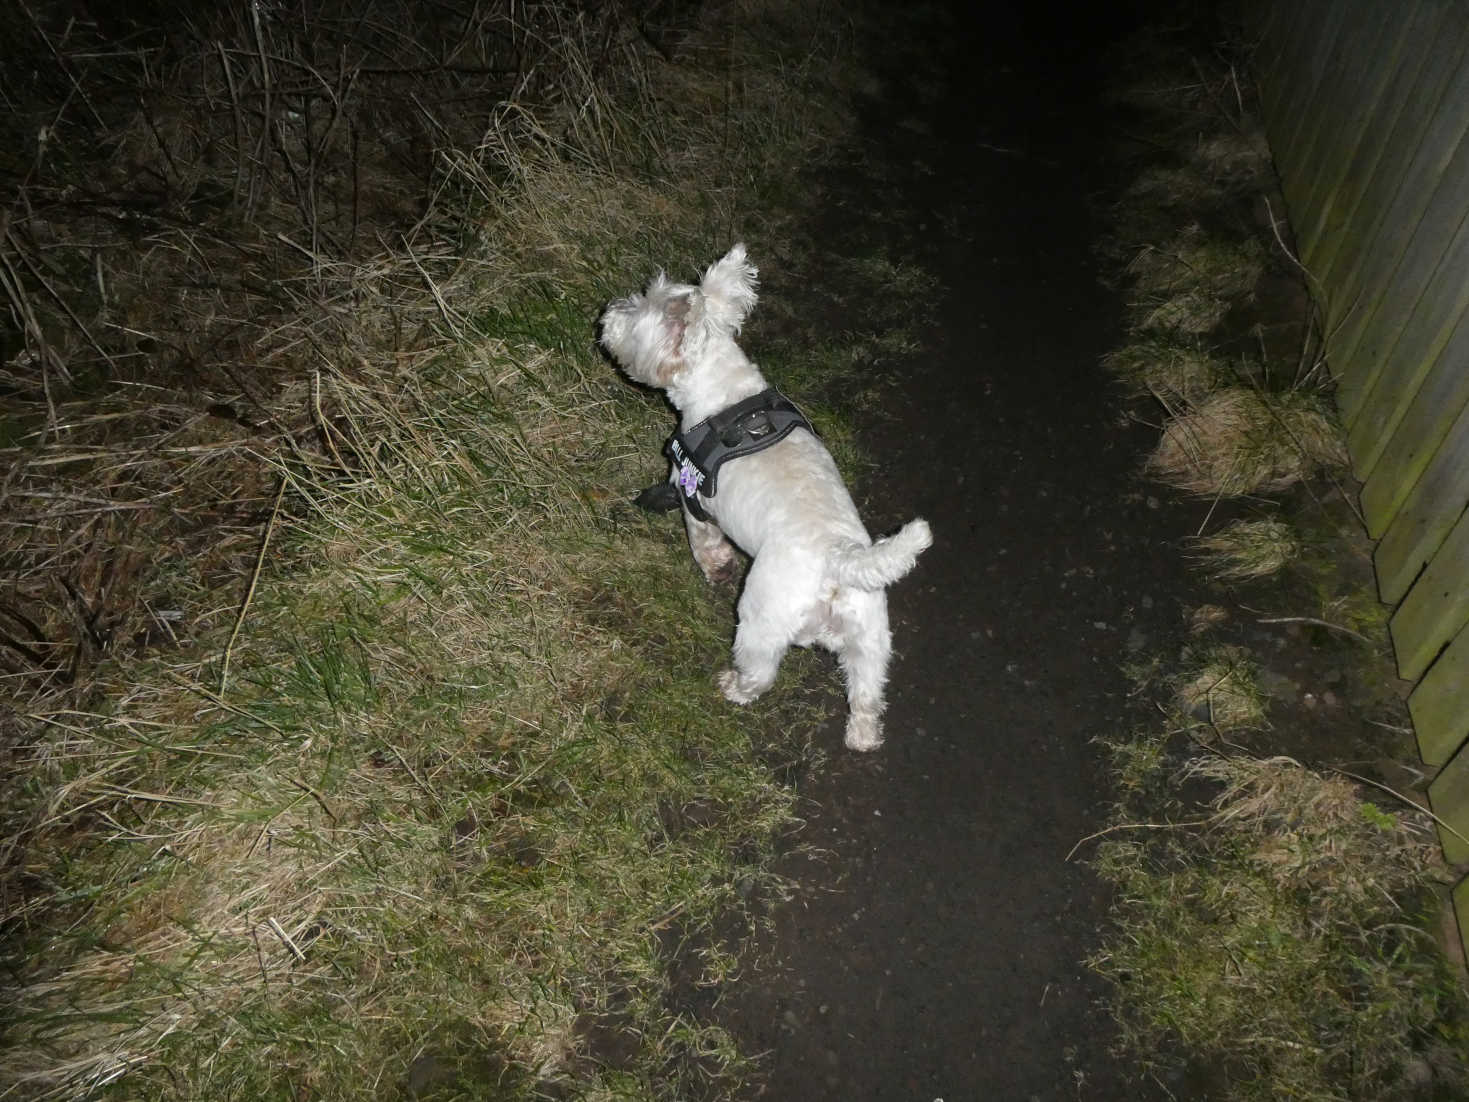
(743, 429)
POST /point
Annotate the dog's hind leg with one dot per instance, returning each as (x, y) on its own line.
(865, 652)
(712, 551)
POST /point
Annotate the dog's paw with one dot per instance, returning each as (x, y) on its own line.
(863, 733)
(732, 688)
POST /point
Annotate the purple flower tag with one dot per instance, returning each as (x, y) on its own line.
(688, 478)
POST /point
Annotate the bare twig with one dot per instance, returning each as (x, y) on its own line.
(224, 670)
(1138, 826)
(1318, 623)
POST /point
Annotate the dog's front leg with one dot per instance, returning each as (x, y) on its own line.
(757, 655)
(714, 554)
(769, 616)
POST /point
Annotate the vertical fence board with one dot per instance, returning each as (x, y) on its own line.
(1428, 416)
(1440, 717)
(1408, 101)
(1430, 503)
(1410, 297)
(1416, 316)
(1449, 794)
(1380, 253)
(1329, 209)
(1435, 608)
(1365, 55)
(1412, 163)
(1309, 70)
(1275, 36)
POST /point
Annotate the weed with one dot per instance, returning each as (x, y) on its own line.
(1219, 688)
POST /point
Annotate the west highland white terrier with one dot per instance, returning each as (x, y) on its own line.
(751, 472)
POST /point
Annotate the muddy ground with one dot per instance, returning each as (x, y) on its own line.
(935, 950)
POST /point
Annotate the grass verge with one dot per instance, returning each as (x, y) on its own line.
(1275, 925)
(363, 741)
(1277, 932)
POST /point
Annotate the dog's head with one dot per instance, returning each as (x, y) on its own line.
(657, 334)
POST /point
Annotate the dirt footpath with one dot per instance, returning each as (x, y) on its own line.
(936, 951)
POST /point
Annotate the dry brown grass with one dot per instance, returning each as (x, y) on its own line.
(1189, 283)
(227, 228)
(1218, 688)
(1248, 549)
(1175, 372)
(1239, 441)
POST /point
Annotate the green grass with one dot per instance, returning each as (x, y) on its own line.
(1275, 935)
(444, 793)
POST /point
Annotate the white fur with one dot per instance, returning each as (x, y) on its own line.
(817, 577)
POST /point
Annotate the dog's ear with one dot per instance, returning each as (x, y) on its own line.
(728, 288)
(679, 313)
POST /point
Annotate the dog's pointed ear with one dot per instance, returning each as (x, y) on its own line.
(728, 288)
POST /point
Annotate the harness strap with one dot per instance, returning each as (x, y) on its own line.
(743, 429)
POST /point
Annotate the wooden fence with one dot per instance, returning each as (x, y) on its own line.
(1366, 105)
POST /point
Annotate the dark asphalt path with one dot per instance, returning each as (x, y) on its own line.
(936, 953)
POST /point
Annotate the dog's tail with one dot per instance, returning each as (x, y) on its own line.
(885, 561)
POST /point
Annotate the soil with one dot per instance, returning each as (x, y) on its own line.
(935, 949)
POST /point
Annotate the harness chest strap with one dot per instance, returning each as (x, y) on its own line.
(743, 429)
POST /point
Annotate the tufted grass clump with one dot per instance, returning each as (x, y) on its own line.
(1172, 370)
(1238, 440)
(1189, 283)
(1219, 688)
(1247, 549)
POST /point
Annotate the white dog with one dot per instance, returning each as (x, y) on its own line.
(817, 576)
